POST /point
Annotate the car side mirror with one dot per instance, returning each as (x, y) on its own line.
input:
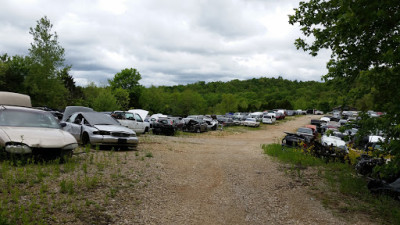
(63, 124)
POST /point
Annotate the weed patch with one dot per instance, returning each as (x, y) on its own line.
(75, 191)
(347, 192)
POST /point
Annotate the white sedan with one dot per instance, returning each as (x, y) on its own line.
(33, 132)
(251, 122)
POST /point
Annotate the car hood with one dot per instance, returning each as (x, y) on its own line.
(114, 128)
(335, 141)
(37, 137)
(69, 110)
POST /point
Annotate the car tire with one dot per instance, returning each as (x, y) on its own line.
(197, 130)
(85, 139)
(146, 130)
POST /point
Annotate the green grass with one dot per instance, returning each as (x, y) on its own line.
(291, 155)
(51, 192)
(343, 190)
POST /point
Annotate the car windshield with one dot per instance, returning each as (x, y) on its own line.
(27, 118)
(95, 118)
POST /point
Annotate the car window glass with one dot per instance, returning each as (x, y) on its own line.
(119, 115)
(78, 119)
(71, 119)
(85, 122)
(129, 116)
(138, 118)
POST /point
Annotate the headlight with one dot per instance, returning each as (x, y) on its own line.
(101, 132)
(70, 146)
(18, 148)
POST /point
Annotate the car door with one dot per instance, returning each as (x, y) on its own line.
(139, 124)
(75, 126)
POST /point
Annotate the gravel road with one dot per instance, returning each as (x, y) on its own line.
(222, 179)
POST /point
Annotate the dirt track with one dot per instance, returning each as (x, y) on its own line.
(223, 179)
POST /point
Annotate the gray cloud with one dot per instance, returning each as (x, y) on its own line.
(169, 42)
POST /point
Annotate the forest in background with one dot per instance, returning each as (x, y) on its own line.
(252, 95)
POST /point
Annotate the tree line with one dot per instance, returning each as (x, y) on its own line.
(44, 76)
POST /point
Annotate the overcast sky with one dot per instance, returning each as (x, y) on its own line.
(168, 41)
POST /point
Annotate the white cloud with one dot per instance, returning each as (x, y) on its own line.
(169, 42)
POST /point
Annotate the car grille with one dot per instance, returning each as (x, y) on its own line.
(118, 134)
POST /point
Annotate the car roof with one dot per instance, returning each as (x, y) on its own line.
(16, 99)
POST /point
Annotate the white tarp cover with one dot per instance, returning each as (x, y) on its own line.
(16, 99)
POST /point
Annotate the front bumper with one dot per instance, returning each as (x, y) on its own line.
(114, 141)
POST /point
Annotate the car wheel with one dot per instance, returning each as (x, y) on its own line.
(85, 139)
(146, 130)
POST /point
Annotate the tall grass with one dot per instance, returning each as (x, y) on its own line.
(341, 185)
(291, 155)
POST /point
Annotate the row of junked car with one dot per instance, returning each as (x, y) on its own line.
(336, 131)
(164, 124)
(323, 138)
(28, 131)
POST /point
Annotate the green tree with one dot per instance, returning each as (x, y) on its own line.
(122, 97)
(364, 37)
(153, 99)
(44, 86)
(75, 94)
(128, 79)
(13, 71)
(229, 103)
(90, 92)
(105, 101)
(190, 102)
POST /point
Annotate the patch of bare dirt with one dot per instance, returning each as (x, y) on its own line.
(219, 178)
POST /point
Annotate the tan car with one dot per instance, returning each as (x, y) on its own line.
(24, 130)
